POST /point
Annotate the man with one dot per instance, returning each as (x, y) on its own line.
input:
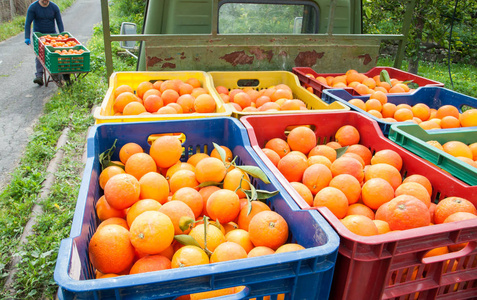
(43, 14)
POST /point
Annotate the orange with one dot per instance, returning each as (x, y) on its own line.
(362, 151)
(205, 192)
(154, 186)
(122, 191)
(447, 110)
(166, 151)
(279, 145)
(223, 206)
(178, 166)
(437, 251)
(373, 104)
(379, 95)
(150, 263)
(333, 144)
(468, 118)
(194, 82)
(176, 210)
(460, 216)
(360, 225)
(260, 251)
(396, 89)
(121, 89)
(428, 125)
(333, 199)
(107, 173)
(241, 237)
(169, 110)
(268, 228)
(122, 100)
(376, 191)
(105, 211)
(114, 220)
(272, 155)
(422, 180)
(347, 135)
(289, 247)
(292, 166)
(450, 205)
(422, 111)
(324, 150)
(246, 214)
(262, 100)
(358, 103)
(181, 179)
(141, 206)
(110, 250)
(384, 171)
(237, 180)
(375, 113)
(210, 169)
(348, 165)
(450, 122)
(304, 192)
(316, 177)
(387, 156)
(355, 156)
(189, 256)
(139, 164)
(127, 150)
(185, 88)
(388, 110)
(191, 197)
(360, 209)
(301, 139)
(362, 89)
(242, 99)
(382, 226)
(214, 236)
(143, 87)
(172, 96)
(186, 102)
(228, 251)
(228, 154)
(407, 212)
(349, 185)
(151, 232)
(403, 114)
(153, 102)
(319, 159)
(414, 189)
(133, 108)
(457, 148)
(195, 158)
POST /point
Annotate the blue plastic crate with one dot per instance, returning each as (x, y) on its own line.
(434, 97)
(305, 274)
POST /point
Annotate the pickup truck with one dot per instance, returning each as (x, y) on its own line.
(249, 35)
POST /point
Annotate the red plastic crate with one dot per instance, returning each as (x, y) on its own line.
(318, 87)
(366, 265)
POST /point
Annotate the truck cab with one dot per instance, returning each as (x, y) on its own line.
(250, 35)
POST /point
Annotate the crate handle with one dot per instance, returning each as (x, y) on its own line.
(453, 255)
(248, 83)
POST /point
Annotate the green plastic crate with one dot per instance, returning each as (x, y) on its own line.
(37, 35)
(414, 138)
(72, 63)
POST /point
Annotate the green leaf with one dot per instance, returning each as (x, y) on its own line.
(384, 76)
(255, 172)
(209, 183)
(220, 151)
(185, 223)
(105, 157)
(261, 194)
(341, 151)
(186, 240)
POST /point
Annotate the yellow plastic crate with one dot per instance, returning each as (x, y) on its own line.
(105, 113)
(264, 79)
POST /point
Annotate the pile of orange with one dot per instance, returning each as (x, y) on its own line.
(157, 200)
(361, 83)
(274, 98)
(446, 116)
(365, 191)
(57, 41)
(69, 52)
(458, 149)
(173, 96)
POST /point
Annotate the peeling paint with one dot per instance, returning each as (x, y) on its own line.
(260, 54)
(367, 59)
(151, 61)
(307, 58)
(169, 58)
(168, 65)
(238, 58)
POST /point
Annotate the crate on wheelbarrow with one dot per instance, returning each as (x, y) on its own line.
(304, 274)
(260, 80)
(391, 265)
(414, 138)
(67, 63)
(433, 97)
(39, 45)
(319, 86)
